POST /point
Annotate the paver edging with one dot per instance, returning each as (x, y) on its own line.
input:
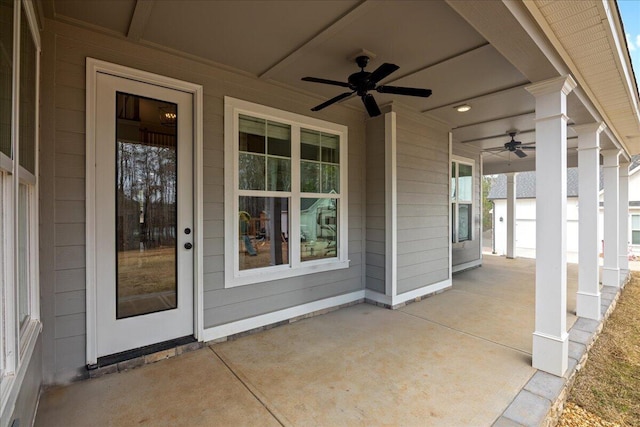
(536, 385)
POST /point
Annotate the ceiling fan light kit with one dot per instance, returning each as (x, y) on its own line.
(362, 82)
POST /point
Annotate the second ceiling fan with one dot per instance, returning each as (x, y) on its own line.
(513, 146)
(363, 81)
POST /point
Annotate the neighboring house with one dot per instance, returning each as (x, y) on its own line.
(633, 225)
(526, 213)
(195, 115)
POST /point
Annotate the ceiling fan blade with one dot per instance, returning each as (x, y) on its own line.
(524, 147)
(410, 91)
(371, 105)
(382, 71)
(325, 81)
(332, 101)
(520, 153)
(495, 149)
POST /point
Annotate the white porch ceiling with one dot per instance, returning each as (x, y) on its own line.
(463, 52)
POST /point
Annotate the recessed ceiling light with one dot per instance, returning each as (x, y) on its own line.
(463, 108)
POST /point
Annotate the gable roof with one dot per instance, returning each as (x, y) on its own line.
(526, 185)
(526, 182)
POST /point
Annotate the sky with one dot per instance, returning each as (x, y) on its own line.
(630, 13)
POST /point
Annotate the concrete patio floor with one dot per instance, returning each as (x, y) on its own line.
(455, 359)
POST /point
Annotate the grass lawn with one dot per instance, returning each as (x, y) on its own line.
(147, 272)
(609, 385)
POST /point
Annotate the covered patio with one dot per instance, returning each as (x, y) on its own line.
(461, 357)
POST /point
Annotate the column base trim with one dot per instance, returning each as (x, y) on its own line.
(551, 353)
(588, 305)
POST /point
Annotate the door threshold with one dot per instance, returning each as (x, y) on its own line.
(143, 355)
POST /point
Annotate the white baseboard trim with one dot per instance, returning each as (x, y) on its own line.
(420, 292)
(392, 301)
(377, 297)
(467, 265)
(243, 325)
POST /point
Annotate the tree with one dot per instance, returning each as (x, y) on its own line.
(487, 205)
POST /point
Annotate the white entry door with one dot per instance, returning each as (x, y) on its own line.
(144, 214)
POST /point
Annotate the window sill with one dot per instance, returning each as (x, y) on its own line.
(268, 274)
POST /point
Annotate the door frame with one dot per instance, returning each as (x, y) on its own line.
(93, 67)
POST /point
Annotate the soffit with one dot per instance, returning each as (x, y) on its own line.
(587, 37)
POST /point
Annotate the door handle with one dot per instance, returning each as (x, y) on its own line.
(188, 245)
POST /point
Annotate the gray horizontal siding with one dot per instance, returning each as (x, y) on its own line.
(422, 211)
(63, 189)
(376, 207)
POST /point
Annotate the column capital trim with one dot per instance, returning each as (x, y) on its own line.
(592, 147)
(561, 116)
(589, 128)
(565, 84)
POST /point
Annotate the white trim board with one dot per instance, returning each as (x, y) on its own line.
(244, 325)
(407, 296)
(93, 67)
(467, 265)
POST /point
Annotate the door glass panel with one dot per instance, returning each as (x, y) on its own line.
(146, 201)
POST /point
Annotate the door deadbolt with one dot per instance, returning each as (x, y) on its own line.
(187, 230)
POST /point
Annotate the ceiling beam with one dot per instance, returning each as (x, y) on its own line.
(334, 28)
(442, 61)
(497, 119)
(139, 20)
(480, 96)
(502, 135)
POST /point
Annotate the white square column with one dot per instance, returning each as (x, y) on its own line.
(511, 215)
(623, 253)
(588, 295)
(550, 339)
(611, 269)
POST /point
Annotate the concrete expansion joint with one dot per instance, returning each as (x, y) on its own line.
(541, 401)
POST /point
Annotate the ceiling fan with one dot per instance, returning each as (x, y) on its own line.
(514, 146)
(363, 81)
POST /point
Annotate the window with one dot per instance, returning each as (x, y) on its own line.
(19, 71)
(461, 200)
(635, 229)
(286, 202)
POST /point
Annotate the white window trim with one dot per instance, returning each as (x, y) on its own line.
(454, 222)
(19, 343)
(631, 229)
(233, 276)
